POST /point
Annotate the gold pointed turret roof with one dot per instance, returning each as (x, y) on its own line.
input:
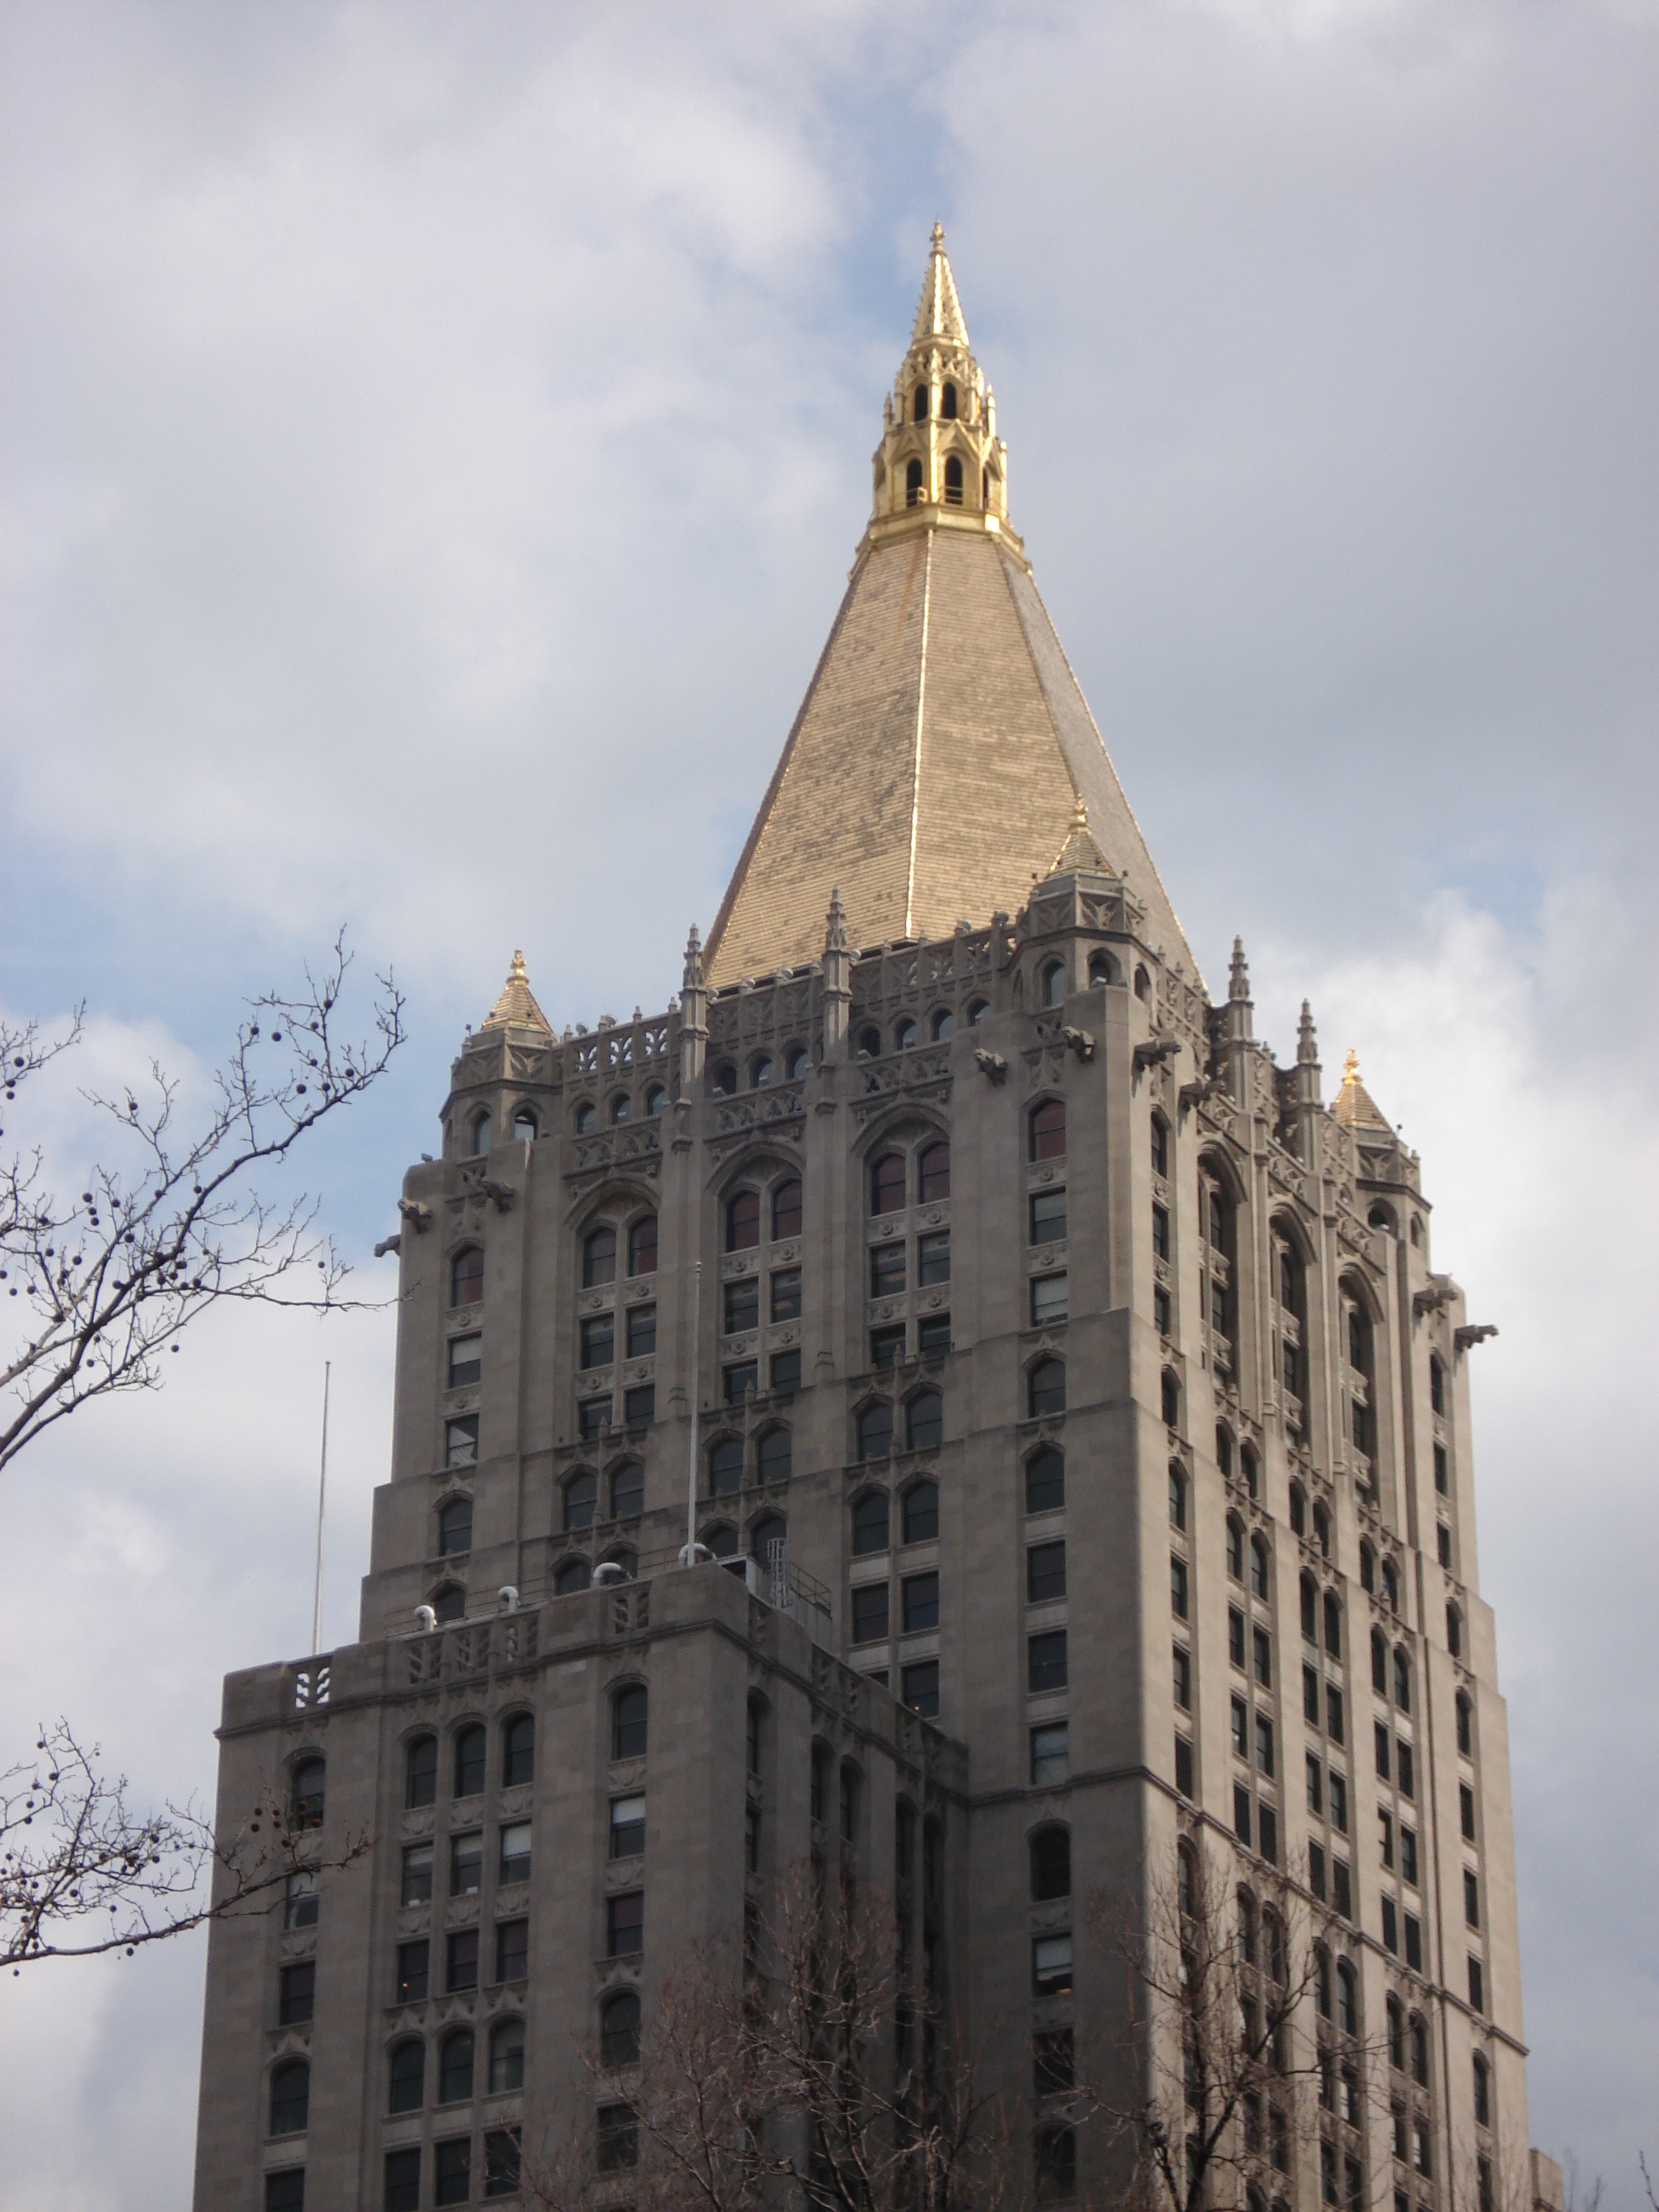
(516, 1007)
(1080, 855)
(943, 739)
(1354, 1107)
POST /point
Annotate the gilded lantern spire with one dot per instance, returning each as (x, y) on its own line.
(516, 1007)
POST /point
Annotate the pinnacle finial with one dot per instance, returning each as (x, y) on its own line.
(938, 238)
(834, 934)
(1238, 975)
(693, 977)
(1307, 1042)
(1350, 1069)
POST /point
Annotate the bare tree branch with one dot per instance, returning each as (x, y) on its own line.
(81, 1873)
(110, 1282)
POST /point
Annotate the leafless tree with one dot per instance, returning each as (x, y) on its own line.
(81, 1872)
(807, 2065)
(175, 1223)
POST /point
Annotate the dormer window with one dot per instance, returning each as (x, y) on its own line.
(912, 479)
(919, 404)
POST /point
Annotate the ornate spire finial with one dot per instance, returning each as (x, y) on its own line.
(516, 1007)
(1238, 975)
(692, 980)
(1307, 1043)
(1350, 1068)
(834, 935)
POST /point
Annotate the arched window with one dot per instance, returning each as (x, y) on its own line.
(506, 2055)
(455, 1527)
(467, 1277)
(1278, 1957)
(1223, 1449)
(773, 1456)
(1298, 1510)
(870, 1523)
(642, 1246)
(904, 1035)
(472, 1749)
(622, 1108)
(421, 1772)
(483, 1128)
(933, 1175)
(1464, 1725)
(581, 1497)
(1402, 1680)
(627, 1723)
(449, 1602)
(771, 1528)
(1143, 984)
(1247, 1927)
(518, 1751)
(924, 1420)
(977, 1010)
(1333, 1624)
(918, 408)
(1235, 1548)
(1160, 1137)
(455, 2067)
(1169, 1393)
(1051, 1864)
(1437, 1383)
(587, 1119)
(721, 1541)
(656, 1100)
(291, 2097)
(785, 1211)
(887, 1183)
(1260, 1585)
(913, 470)
(1186, 1881)
(1347, 1999)
(305, 1796)
(922, 1513)
(1046, 1387)
(598, 1258)
(628, 1491)
(1056, 2165)
(743, 1221)
(1379, 1662)
(799, 1063)
(1380, 1218)
(1045, 1480)
(1051, 984)
(943, 1026)
(1047, 1130)
(1396, 2035)
(1390, 1586)
(1482, 2093)
(619, 2030)
(952, 481)
(1251, 1469)
(525, 1128)
(869, 1044)
(571, 1576)
(1178, 1497)
(1419, 2046)
(947, 404)
(876, 1431)
(724, 1081)
(408, 2076)
(1311, 1609)
(760, 1074)
(1103, 969)
(724, 1466)
(1321, 1521)
(1454, 1631)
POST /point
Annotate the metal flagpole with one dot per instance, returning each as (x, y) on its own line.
(322, 1493)
(690, 1557)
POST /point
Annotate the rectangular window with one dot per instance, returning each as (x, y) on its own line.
(466, 1863)
(413, 1959)
(1178, 1587)
(1311, 1696)
(1264, 1744)
(1466, 1810)
(869, 1613)
(1390, 1926)
(465, 1360)
(461, 1441)
(1413, 1942)
(932, 1335)
(627, 1827)
(1183, 1679)
(1051, 1965)
(887, 1269)
(1421, 2158)
(786, 1373)
(512, 1950)
(1339, 1804)
(1050, 1755)
(1162, 1318)
(618, 2145)
(1045, 1661)
(1054, 2066)
(285, 2190)
(296, 1993)
(1471, 1898)
(1047, 1217)
(463, 1960)
(501, 2162)
(886, 1347)
(1267, 1833)
(1342, 1889)
(593, 1417)
(1160, 1233)
(933, 1258)
(1315, 1786)
(1332, 1712)
(403, 2180)
(639, 1406)
(1183, 1763)
(1262, 1647)
(918, 1688)
(624, 1924)
(741, 1381)
(1441, 1473)
(515, 1852)
(417, 1875)
(919, 1597)
(786, 1294)
(743, 1304)
(1443, 1543)
(1380, 1738)
(1241, 1827)
(751, 1839)
(300, 1900)
(1051, 1299)
(452, 2166)
(598, 1340)
(1235, 1637)
(1385, 1839)
(1408, 1855)
(641, 1331)
(1241, 1729)
(1045, 1573)
(1317, 1870)
(1404, 1779)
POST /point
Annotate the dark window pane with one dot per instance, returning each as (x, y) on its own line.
(421, 1771)
(599, 1259)
(1045, 1573)
(743, 1221)
(1047, 1388)
(628, 1724)
(1045, 1660)
(512, 1950)
(642, 1247)
(455, 2067)
(921, 1597)
(887, 1183)
(403, 2180)
(932, 1334)
(641, 1331)
(451, 2164)
(918, 1688)
(412, 1969)
(786, 1293)
(924, 1420)
(1045, 1480)
(870, 1523)
(785, 1211)
(628, 1492)
(741, 1304)
(598, 1340)
(501, 2162)
(741, 1381)
(724, 1466)
(619, 2030)
(1051, 1864)
(624, 1924)
(876, 1432)
(922, 1513)
(472, 1747)
(935, 1170)
(290, 2098)
(933, 1258)
(886, 1347)
(887, 1269)
(869, 1613)
(1048, 1130)
(463, 1960)
(466, 1278)
(297, 1993)
(1048, 1209)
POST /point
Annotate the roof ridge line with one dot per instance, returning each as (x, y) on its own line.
(916, 766)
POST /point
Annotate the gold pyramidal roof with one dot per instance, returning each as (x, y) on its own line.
(944, 744)
(1354, 1106)
(516, 1007)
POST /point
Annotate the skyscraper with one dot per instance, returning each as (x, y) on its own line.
(937, 1396)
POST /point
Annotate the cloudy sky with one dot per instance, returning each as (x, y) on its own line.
(433, 439)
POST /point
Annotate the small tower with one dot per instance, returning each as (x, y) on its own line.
(693, 1016)
(939, 458)
(1238, 1031)
(1307, 1087)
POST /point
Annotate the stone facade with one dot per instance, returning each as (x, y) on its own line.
(1067, 1372)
